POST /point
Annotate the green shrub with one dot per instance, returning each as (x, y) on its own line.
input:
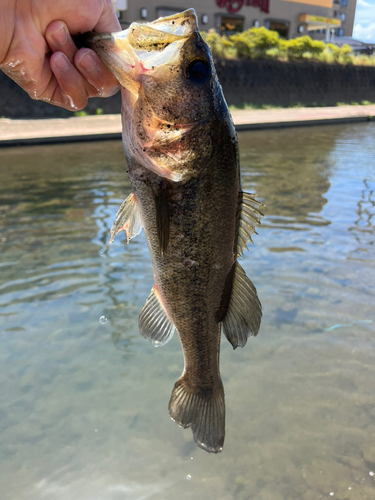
(255, 42)
(220, 45)
(263, 43)
(362, 60)
(304, 44)
(80, 113)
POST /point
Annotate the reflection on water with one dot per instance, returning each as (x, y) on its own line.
(363, 227)
(83, 401)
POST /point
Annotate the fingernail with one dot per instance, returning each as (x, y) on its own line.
(60, 37)
(88, 61)
(61, 61)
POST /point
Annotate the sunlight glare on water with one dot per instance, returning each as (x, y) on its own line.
(83, 406)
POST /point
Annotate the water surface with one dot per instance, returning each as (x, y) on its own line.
(83, 402)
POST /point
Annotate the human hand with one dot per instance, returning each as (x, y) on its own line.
(38, 53)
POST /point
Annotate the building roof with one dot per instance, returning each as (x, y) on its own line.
(353, 43)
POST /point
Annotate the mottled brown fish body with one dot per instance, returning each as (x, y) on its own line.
(181, 150)
(190, 274)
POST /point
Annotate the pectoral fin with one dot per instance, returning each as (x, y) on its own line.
(244, 312)
(248, 216)
(154, 323)
(128, 218)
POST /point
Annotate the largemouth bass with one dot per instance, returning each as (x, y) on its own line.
(181, 150)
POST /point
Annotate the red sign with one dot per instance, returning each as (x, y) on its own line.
(234, 6)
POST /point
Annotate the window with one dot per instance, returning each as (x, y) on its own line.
(339, 32)
(343, 17)
(344, 3)
(166, 11)
(280, 26)
(227, 25)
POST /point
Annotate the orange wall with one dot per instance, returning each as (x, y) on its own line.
(320, 3)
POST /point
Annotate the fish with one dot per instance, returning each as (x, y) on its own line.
(182, 155)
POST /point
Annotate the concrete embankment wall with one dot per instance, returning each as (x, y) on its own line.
(273, 82)
(245, 81)
(16, 103)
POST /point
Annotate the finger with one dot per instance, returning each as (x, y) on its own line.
(108, 21)
(27, 65)
(102, 82)
(59, 39)
(71, 92)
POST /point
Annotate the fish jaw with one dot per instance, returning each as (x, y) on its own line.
(118, 55)
(141, 48)
(181, 23)
(142, 58)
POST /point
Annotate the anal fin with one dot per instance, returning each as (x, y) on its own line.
(154, 323)
(128, 218)
(244, 313)
(248, 216)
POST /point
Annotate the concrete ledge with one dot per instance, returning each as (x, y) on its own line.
(303, 123)
(108, 127)
(59, 130)
(37, 141)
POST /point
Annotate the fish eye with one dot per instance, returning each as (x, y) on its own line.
(198, 69)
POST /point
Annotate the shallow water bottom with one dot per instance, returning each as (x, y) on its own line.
(83, 402)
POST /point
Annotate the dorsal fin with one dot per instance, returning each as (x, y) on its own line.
(244, 313)
(154, 323)
(128, 219)
(248, 216)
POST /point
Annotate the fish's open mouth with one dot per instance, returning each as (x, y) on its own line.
(159, 62)
(143, 47)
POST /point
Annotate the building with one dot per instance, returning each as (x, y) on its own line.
(321, 19)
(357, 46)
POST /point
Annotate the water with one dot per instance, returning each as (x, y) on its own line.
(83, 401)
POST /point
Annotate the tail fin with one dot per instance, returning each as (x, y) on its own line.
(201, 409)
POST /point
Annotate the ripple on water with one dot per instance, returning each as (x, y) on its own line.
(83, 408)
